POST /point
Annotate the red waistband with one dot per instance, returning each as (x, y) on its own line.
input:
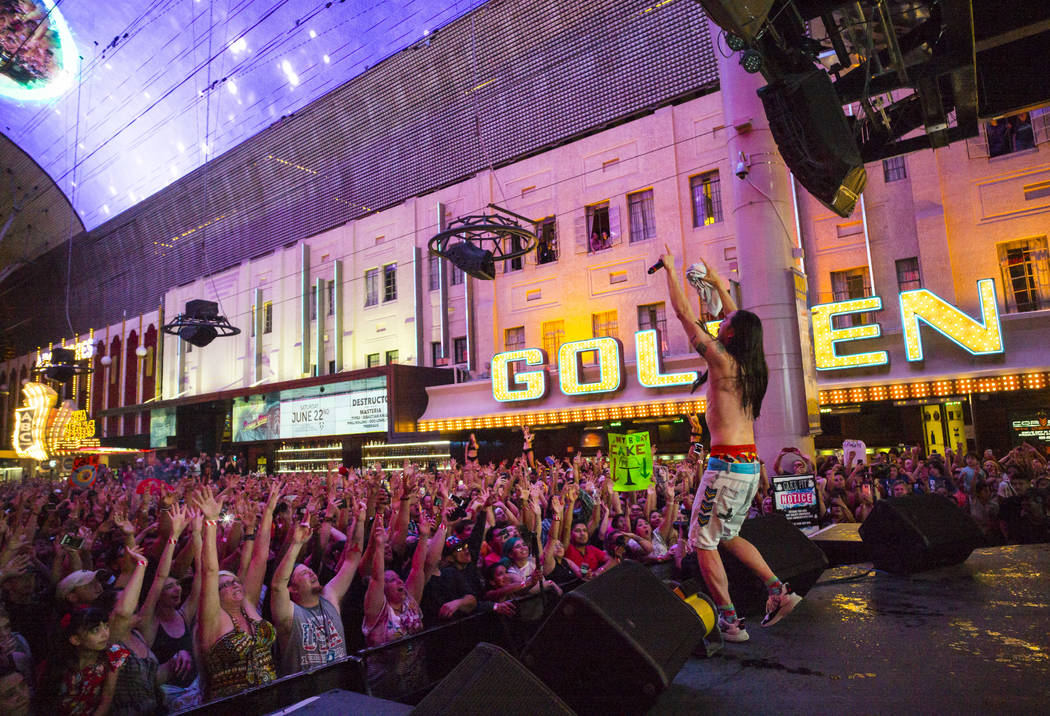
(735, 453)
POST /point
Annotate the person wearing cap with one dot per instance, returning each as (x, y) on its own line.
(79, 589)
(456, 590)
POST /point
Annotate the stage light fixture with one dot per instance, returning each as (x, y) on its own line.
(62, 366)
(735, 42)
(472, 260)
(751, 61)
(200, 324)
(509, 240)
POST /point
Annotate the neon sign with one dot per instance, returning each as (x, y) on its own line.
(31, 421)
(977, 337)
(983, 337)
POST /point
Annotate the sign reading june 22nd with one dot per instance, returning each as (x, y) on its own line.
(344, 414)
(631, 461)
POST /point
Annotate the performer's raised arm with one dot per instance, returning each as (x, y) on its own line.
(702, 342)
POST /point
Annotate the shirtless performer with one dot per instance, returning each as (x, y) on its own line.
(736, 366)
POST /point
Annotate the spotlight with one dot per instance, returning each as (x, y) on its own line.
(62, 366)
(472, 260)
(200, 324)
(509, 239)
(735, 42)
(751, 61)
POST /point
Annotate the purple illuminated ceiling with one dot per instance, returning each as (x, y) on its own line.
(167, 84)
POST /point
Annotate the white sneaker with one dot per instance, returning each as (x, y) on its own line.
(779, 606)
(733, 631)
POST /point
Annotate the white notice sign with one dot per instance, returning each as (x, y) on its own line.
(344, 414)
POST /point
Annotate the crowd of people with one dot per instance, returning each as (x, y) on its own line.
(164, 586)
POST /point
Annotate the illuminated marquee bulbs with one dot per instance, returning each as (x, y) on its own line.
(977, 337)
(510, 387)
(31, 421)
(825, 335)
(610, 366)
(650, 370)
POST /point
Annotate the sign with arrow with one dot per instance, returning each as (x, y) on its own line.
(631, 461)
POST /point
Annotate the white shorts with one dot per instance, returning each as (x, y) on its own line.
(721, 502)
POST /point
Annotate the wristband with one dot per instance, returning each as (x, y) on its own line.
(211, 522)
(172, 540)
(248, 537)
(141, 562)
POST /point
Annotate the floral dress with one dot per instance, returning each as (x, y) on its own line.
(80, 691)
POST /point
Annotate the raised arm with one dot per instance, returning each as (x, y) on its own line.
(707, 346)
(210, 618)
(148, 610)
(348, 563)
(280, 600)
(122, 617)
(375, 597)
(256, 572)
(417, 577)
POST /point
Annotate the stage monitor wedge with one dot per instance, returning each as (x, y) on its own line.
(815, 138)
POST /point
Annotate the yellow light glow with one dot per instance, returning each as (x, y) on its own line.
(31, 421)
(977, 337)
(650, 364)
(610, 366)
(825, 335)
(508, 386)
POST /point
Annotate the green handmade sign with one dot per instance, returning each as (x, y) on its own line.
(631, 461)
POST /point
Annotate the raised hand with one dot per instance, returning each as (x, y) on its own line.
(179, 519)
(208, 504)
(302, 533)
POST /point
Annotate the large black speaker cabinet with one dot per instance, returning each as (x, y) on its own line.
(918, 532)
(490, 681)
(788, 552)
(815, 138)
(612, 645)
(841, 544)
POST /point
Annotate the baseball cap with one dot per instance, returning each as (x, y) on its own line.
(453, 544)
(73, 580)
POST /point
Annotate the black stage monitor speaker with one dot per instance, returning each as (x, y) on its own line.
(612, 645)
(788, 552)
(815, 138)
(842, 544)
(490, 681)
(918, 532)
(339, 701)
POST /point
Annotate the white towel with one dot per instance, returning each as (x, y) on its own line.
(696, 275)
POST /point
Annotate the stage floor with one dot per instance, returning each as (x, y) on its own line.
(973, 638)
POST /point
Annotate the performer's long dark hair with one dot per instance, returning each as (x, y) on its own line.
(745, 345)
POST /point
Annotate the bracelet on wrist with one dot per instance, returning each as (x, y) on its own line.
(141, 562)
(211, 522)
(172, 540)
(248, 536)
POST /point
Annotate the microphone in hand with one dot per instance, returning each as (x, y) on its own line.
(657, 266)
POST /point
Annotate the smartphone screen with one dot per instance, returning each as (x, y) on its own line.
(72, 541)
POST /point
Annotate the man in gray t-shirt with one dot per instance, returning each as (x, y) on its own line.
(309, 625)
